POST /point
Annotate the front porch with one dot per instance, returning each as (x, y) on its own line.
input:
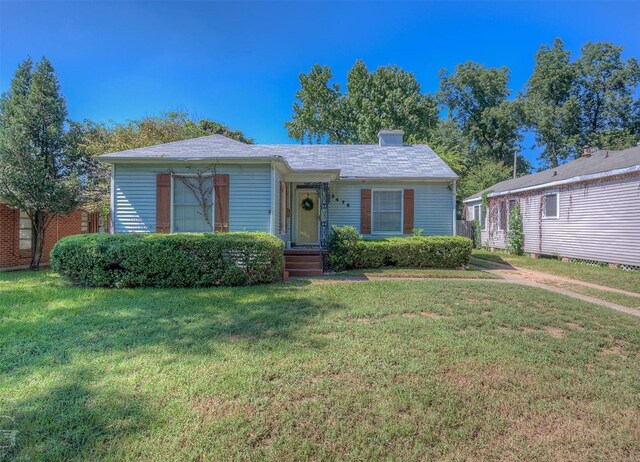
(305, 211)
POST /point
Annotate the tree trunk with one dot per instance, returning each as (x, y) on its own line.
(38, 225)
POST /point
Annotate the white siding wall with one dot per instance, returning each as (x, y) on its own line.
(597, 221)
(135, 196)
(433, 204)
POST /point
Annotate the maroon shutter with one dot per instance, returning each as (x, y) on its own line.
(365, 211)
(221, 216)
(163, 203)
(407, 225)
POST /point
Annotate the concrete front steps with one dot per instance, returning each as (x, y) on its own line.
(303, 262)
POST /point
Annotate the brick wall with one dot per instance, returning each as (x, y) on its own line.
(10, 254)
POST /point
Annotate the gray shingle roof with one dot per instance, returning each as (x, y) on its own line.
(353, 161)
(599, 162)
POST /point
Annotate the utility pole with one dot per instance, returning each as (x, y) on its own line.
(515, 161)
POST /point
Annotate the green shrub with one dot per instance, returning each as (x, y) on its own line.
(341, 246)
(347, 249)
(516, 231)
(169, 260)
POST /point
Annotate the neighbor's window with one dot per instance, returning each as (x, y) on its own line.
(476, 212)
(84, 222)
(502, 215)
(26, 232)
(387, 212)
(190, 214)
(550, 205)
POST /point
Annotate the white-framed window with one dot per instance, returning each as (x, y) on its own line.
(25, 233)
(476, 212)
(189, 214)
(502, 216)
(551, 205)
(84, 222)
(386, 211)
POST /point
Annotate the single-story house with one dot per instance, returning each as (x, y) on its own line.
(16, 234)
(587, 209)
(296, 192)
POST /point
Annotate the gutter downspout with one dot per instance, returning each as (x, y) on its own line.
(454, 207)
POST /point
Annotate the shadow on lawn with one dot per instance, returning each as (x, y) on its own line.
(55, 329)
(72, 418)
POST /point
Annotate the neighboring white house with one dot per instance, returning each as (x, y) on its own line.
(296, 192)
(587, 209)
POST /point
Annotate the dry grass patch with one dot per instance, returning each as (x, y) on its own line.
(555, 332)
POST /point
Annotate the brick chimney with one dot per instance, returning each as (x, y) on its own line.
(586, 151)
(390, 137)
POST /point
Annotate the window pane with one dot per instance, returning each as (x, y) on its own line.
(188, 212)
(387, 211)
(503, 215)
(550, 205)
(25, 232)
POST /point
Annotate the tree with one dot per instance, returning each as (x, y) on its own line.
(315, 114)
(40, 173)
(551, 107)
(605, 88)
(476, 98)
(388, 98)
(485, 174)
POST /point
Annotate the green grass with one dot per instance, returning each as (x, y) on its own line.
(419, 273)
(616, 278)
(380, 370)
(614, 297)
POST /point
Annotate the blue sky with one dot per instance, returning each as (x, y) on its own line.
(238, 63)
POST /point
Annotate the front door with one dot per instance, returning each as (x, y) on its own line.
(308, 222)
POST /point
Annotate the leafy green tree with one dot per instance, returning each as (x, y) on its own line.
(483, 175)
(605, 89)
(476, 98)
(315, 115)
(388, 98)
(551, 107)
(40, 173)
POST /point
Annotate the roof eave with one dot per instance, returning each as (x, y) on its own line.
(552, 184)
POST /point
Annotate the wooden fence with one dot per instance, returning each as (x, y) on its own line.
(464, 228)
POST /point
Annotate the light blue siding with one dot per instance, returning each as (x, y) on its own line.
(135, 196)
(433, 204)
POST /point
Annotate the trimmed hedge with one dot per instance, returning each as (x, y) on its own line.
(348, 250)
(169, 260)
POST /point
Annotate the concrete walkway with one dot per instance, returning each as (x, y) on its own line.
(540, 276)
(510, 275)
(542, 280)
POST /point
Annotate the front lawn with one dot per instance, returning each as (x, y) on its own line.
(393, 370)
(422, 273)
(616, 278)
